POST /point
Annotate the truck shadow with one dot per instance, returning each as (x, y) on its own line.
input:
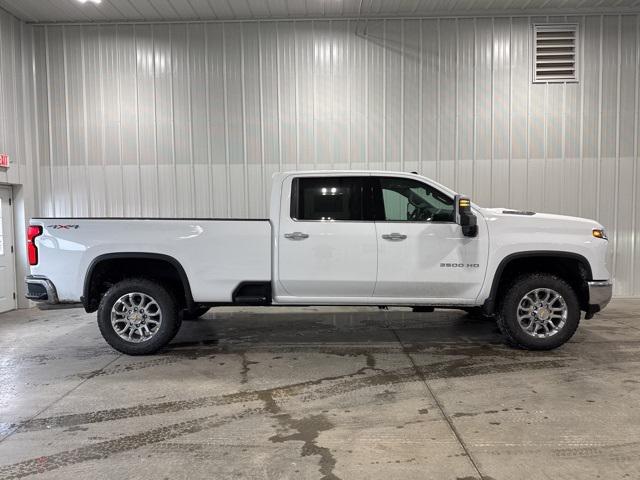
(316, 329)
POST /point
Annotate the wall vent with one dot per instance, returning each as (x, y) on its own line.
(555, 53)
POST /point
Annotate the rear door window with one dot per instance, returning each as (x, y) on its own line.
(327, 198)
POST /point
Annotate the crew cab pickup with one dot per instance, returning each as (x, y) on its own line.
(332, 238)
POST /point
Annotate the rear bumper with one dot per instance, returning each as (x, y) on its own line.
(41, 289)
(600, 292)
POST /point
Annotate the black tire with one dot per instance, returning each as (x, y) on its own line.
(194, 314)
(507, 311)
(169, 325)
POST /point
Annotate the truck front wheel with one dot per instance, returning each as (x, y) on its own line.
(138, 316)
(539, 312)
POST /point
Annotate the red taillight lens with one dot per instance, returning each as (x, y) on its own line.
(33, 232)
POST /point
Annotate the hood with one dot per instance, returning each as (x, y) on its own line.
(522, 217)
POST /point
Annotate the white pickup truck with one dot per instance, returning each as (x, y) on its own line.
(332, 238)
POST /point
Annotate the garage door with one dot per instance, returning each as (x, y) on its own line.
(7, 261)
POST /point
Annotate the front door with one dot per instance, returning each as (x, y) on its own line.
(422, 253)
(327, 253)
(7, 255)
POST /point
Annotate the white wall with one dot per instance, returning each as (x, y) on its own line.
(192, 119)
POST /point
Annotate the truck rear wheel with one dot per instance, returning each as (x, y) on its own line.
(539, 312)
(138, 316)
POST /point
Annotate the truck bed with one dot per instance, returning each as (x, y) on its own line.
(216, 254)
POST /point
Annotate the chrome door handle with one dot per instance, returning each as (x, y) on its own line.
(395, 237)
(296, 236)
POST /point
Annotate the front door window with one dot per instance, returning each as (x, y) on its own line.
(407, 200)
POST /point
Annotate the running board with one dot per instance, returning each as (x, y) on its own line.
(252, 293)
(251, 300)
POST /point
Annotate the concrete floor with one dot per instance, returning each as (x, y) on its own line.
(319, 393)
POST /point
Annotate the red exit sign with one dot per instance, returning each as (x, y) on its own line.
(4, 160)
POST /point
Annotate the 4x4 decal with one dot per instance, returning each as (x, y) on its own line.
(63, 227)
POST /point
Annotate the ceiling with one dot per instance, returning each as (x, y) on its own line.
(189, 10)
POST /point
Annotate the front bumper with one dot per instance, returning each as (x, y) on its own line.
(600, 292)
(41, 289)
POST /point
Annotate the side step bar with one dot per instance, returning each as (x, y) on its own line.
(252, 293)
(250, 300)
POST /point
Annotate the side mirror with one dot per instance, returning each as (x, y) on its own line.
(465, 217)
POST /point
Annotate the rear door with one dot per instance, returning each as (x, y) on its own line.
(326, 251)
(422, 253)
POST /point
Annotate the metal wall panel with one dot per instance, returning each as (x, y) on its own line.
(192, 119)
(19, 136)
(16, 101)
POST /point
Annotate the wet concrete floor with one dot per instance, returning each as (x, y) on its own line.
(319, 393)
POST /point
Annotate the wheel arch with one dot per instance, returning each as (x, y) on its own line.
(91, 293)
(562, 259)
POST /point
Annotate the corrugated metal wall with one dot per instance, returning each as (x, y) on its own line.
(192, 119)
(17, 116)
(16, 98)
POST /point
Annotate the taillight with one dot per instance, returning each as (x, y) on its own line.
(33, 232)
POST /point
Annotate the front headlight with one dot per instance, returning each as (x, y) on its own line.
(600, 233)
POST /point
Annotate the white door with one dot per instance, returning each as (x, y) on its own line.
(7, 252)
(326, 251)
(422, 253)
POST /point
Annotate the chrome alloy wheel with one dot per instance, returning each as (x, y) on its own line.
(136, 317)
(542, 313)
